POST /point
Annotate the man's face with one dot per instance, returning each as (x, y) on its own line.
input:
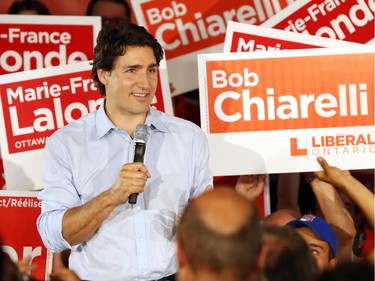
(131, 85)
(319, 248)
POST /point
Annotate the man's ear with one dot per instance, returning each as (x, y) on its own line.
(262, 256)
(332, 262)
(102, 75)
(181, 257)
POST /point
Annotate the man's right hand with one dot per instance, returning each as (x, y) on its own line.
(131, 179)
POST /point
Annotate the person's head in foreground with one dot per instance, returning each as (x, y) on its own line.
(288, 256)
(219, 237)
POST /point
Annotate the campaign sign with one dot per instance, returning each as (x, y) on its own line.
(34, 104)
(336, 19)
(19, 235)
(185, 28)
(30, 41)
(262, 110)
(242, 37)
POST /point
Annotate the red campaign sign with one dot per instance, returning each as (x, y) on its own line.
(35, 108)
(23, 47)
(19, 235)
(32, 42)
(185, 26)
(343, 20)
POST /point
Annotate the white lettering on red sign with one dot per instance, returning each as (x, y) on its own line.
(199, 29)
(286, 106)
(49, 118)
(15, 60)
(32, 37)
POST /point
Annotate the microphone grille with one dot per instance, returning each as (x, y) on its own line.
(141, 133)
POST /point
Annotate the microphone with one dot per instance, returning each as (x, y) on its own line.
(141, 134)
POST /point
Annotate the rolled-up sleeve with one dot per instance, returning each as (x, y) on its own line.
(58, 195)
(49, 227)
(202, 173)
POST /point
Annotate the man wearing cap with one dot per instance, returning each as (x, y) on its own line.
(319, 236)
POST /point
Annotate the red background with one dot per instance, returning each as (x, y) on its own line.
(56, 7)
(18, 224)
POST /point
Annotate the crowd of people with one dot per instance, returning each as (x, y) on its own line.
(221, 236)
(180, 227)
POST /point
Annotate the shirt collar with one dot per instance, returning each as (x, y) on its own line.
(104, 126)
(155, 121)
(102, 123)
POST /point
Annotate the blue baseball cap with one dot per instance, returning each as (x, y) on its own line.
(319, 226)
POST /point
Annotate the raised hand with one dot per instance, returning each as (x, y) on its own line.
(250, 186)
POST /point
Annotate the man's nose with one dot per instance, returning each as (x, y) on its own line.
(144, 80)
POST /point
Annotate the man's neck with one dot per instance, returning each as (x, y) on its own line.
(127, 122)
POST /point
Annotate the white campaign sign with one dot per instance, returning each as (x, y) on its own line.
(274, 112)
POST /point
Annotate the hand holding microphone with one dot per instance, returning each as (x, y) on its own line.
(141, 135)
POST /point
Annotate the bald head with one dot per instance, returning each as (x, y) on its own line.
(220, 231)
(281, 217)
(223, 211)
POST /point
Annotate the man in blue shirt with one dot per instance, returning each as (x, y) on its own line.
(89, 172)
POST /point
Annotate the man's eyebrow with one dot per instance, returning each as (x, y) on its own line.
(133, 66)
(140, 66)
(153, 65)
(316, 246)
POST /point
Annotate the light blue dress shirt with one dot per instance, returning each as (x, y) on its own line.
(83, 159)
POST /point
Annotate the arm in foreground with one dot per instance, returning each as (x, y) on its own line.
(343, 180)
